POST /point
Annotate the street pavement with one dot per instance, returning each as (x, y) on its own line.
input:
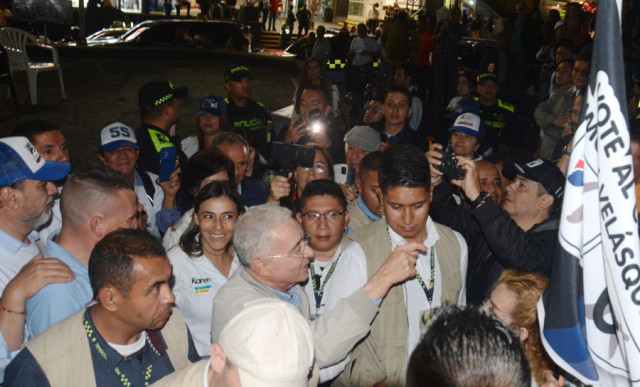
(102, 91)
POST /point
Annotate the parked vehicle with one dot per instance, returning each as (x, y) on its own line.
(215, 34)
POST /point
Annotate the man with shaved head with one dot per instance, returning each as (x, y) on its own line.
(94, 202)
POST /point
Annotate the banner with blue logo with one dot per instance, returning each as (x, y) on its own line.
(590, 312)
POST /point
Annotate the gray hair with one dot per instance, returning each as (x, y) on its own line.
(253, 233)
(230, 137)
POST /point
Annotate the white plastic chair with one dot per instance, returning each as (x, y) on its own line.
(14, 41)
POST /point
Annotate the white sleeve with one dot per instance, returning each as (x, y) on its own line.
(464, 263)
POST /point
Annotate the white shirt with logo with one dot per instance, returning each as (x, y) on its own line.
(197, 281)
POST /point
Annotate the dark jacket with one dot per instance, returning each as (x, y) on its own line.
(406, 136)
(496, 243)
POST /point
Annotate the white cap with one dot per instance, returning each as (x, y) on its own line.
(271, 344)
(116, 135)
(469, 124)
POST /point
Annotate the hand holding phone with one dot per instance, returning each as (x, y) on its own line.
(167, 163)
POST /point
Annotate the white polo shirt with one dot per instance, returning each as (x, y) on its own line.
(348, 275)
(197, 281)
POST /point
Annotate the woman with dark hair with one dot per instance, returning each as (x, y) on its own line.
(211, 119)
(204, 167)
(313, 74)
(205, 258)
(287, 190)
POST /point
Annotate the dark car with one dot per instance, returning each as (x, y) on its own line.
(298, 47)
(215, 34)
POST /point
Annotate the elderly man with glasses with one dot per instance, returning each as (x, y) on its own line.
(275, 257)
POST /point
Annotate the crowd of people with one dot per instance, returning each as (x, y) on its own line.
(346, 247)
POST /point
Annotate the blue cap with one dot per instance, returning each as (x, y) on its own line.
(211, 104)
(19, 160)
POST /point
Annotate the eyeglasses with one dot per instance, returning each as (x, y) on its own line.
(318, 168)
(330, 216)
(299, 251)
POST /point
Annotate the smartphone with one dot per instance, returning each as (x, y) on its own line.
(344, 174)
(167, 163)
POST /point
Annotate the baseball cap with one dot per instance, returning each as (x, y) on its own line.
(364, 138)
(19, 160)
(469, 124)
(539, 170)
(159, 92)
(487, 77)
(237, 73)
(116, 136)
(211, 104)
(271, 344)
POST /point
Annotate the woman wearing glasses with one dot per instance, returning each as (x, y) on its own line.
(287, 190)
(205, 258)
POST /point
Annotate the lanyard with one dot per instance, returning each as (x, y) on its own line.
(318, 289)
(428, 289)
(123, 378)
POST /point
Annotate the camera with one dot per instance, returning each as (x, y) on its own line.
(449, 166)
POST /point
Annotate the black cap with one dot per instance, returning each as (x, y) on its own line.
(237, 73)
(160, 92)
(487, 77)
(540, 170)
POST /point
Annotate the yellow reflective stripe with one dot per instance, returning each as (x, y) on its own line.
(506, 105)
(336, 63)
(159, 140)
(162, 100)
(495, 124)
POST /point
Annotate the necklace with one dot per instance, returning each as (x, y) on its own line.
(123, 378)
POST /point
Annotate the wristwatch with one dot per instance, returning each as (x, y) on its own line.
(480, 200)
(565, 151)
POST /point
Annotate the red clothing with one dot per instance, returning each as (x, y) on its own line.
(427, 48)
(273, 6)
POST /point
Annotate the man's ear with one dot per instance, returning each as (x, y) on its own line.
(430, 193)
(358, 184)
(260, 267)
(545, 201)
(95, 224)
(218, 358)
(299, 217)
(109, 298)
(8, 197)
(102, 159)
(327, 110)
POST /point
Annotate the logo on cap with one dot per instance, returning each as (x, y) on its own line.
(33, 152)
(534, 163)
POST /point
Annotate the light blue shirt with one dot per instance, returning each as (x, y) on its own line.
(292, 296)
(14, 254)
(366, 210)
(55, 302)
